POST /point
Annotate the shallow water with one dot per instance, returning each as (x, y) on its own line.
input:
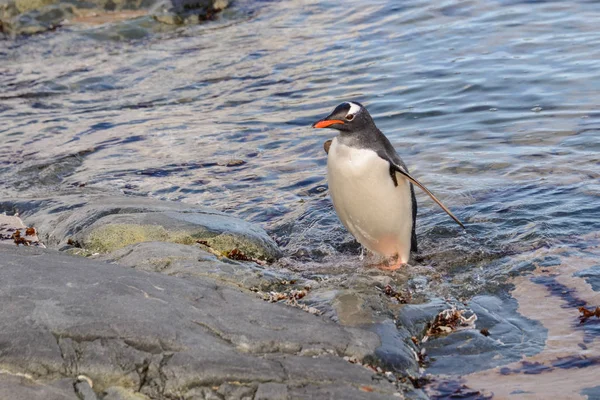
(493, 105)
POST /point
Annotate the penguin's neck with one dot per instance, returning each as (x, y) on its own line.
(348, 139)
(359, 140)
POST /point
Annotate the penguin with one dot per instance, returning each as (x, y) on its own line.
(370, 186)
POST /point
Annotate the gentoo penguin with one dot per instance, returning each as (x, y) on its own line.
(370, 186)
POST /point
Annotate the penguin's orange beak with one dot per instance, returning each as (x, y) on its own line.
(325, 123)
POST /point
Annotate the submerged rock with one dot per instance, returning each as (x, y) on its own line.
(591, 276)
(510, 336)
(102, 224)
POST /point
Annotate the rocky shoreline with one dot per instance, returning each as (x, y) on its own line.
(137, 298)
(164, 317)
(30, 17)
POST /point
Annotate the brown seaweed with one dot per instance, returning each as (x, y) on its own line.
(450, 320)
(586, 314)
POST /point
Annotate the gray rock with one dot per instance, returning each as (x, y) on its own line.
(271, 391)
(333, 391)
(15, 387)
(236, 391)
(84, 391)
(163, 336)
(120, 393)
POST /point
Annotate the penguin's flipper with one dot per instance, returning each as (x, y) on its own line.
(327, 145)
(401, 171)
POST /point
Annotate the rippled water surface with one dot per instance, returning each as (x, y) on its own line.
(494, 105)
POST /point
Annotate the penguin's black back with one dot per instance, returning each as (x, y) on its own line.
(413, 237)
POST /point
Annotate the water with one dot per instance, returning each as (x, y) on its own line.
(493, 105)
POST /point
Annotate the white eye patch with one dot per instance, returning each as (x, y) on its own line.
(354, 108)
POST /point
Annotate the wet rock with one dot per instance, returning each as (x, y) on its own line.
(169, 19)
(414, 318)
(592, 393)
(397, 351)
(163, 335)
(178, 12)
(511, 336)
(38, 20)
(352, 310)
(101, 224)
(183, 6)
(28, 17)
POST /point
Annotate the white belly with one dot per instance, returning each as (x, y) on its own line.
(371, 207)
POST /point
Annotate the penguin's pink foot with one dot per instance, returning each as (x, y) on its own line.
(385, 267)
(392, 264)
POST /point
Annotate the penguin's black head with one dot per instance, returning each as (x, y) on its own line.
(347, 117)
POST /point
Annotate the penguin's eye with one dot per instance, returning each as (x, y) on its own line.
(349, 117)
